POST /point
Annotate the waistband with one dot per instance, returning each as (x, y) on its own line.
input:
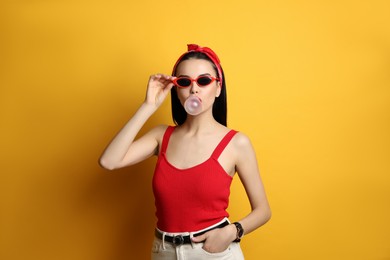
(185, 237)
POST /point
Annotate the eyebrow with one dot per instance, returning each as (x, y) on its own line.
(204, 74)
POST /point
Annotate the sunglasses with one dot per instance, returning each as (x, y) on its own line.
(202, 81)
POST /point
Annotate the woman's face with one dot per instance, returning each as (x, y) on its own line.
(194, 68)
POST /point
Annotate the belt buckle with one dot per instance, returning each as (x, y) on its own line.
(178, 240)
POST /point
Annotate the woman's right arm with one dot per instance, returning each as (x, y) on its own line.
(123, 150)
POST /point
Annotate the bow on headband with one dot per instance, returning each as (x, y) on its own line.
(207, 51)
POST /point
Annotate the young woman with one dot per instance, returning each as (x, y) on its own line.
(197, 159)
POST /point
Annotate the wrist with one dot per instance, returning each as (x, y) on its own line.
(151, 108)
(239, 231)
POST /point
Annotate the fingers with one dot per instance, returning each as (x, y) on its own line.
(162, 78)
(160, 75)
(198, 239)
(214, 241)
(210, 245)
(161, 81)
(159, 86)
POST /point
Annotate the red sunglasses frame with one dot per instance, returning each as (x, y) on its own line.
(195, 80)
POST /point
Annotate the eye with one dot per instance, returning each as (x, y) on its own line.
(183, 82)
(204, 80)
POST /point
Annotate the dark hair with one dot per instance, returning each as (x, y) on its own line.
(220, 104)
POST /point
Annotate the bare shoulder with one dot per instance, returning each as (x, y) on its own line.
(158, 131)
(245, 155)
(155, 135)
(242, 147)
(241, 141)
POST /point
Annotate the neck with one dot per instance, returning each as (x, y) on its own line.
(203, 122)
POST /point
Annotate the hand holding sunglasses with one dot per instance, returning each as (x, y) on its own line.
(159, 86)
(201, 81)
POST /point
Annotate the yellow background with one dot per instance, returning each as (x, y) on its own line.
(308, 82)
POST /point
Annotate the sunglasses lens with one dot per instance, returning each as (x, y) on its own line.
(183, 82)
(204, 81)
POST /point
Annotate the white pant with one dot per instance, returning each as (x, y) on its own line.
(193, 252)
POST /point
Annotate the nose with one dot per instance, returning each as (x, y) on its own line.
(194, 88)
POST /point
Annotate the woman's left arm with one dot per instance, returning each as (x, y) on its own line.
(248, 171)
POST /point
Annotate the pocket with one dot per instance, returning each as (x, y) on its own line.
(236, 251)
(218, 255)
(156, 246)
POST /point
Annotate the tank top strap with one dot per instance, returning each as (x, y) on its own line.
(224, 142)
(165, 140)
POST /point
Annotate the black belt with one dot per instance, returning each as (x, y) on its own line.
(180, 240)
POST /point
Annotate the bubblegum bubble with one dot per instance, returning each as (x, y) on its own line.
(193, 105)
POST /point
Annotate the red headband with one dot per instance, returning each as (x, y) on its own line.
(207, 51)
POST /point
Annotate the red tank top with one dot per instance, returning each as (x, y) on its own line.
(194, 198)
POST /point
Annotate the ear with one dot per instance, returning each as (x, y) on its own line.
(219, 89)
